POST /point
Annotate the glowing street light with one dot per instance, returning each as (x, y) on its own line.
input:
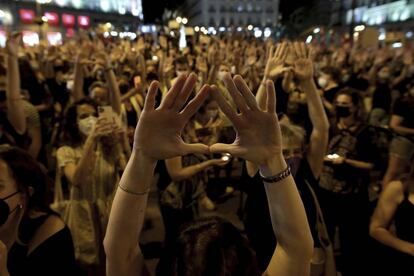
(185, 20)
(317, 30)
(250, 27)
(179, 20)
(197, 29)
(45, 19)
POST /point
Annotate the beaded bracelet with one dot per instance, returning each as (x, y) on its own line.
(278, 177)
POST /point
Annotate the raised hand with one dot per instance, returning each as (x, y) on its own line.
(303, 66)
(13, 43)
(258, 133)
(201, 64)
(163, 126)
(275, 65)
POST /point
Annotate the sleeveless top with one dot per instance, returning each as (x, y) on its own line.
(54, 256)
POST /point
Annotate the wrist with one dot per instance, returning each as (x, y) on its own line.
(273, 166)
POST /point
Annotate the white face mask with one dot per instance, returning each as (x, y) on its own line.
(322, 81)
(180, 73)
(86, 125)
(221, 75)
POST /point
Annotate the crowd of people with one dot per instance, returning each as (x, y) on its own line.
(324, 137)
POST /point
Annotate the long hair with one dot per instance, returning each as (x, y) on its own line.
(71, 135)
(209, 246)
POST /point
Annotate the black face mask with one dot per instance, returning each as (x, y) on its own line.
(5, 209)
(343, 111)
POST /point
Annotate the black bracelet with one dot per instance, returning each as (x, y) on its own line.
(278, 177)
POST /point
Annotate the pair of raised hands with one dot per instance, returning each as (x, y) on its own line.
(158, 134)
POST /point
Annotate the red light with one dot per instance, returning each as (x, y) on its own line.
(52, 18)
(68, 20)
(27, 16)
(84, 21)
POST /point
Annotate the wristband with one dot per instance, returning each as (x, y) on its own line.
(278, 177)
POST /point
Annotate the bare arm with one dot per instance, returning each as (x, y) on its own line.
(36, 141)
(178, 173)
(395, 125)
(389, 200)
(15, 110)
(78, 81)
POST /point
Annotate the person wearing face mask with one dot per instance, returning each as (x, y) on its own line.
(33, 239)
(90, 160)
(344, 181)
(182, 68)
(381, 98)
(402, 146)
(305, 162)
(329, 82)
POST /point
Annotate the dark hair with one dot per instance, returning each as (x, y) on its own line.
(28, 173)
(356, 99)
(209, 246)
(333, 72)
(71, 135)
(181, 60)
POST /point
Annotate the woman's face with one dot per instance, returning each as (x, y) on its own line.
(84, 111)
(8, 186)
(345, 101)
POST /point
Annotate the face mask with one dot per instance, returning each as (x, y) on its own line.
(212, 113)
(343, 111)
(221, 75)
(70, 84)
(322, 82)
(180, 73)
(86, 125)
(294, 164)
(5, 209)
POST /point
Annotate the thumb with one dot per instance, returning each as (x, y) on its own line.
(195, 148)
(234, 150)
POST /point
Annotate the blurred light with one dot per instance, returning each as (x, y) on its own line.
(154, 58)
(185, 20)
(409, 35)
(179, 20)
(397, 45)
(382, 37)
(239, 29)
(359, 28)
(356, 34)
(309, 39)
(135, 12)
(2, 14)
(108, 25)
(105, 5)
(113, 33)
(222, 29)
(203, 29)
(106, 34)
(132, 36)
(122, 10)
(182, 43)
(317, 30)
(43, 1)
(405, 15)
(172, 34)
(60, 2)
(250, 27)
(197, 28)
(267, 32)
(211, 29)
(258, 33)
(54, 38)
(30, 38)
(45, 19)
(122, 35)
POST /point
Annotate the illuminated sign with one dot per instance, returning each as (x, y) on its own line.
(52, 18)
(54, 38)
(68, 20)
(30, 38)
(27, 16)
(84, 21)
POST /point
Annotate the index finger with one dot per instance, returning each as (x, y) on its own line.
(224, 106)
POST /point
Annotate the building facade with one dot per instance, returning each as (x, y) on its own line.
(233, 13)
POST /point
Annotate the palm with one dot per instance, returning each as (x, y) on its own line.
(274, 68)
(275, 63)
(304, 69)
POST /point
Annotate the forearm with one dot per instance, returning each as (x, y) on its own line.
(115, 94)
(359, 164)
(190, 171)
(384, 236)
(127, 217)
(261, 96)
(403, 130)
(78, 83)
(316, 111)
(15, 111)
(86, 163)
(295, 244)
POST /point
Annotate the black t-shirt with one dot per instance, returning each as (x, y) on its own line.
(59, 91)
(257, 216)
(358, 83)
(404, 107)
(382, 97)
(282, 97)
